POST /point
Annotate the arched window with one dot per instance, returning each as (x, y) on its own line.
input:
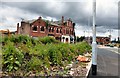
(42, 28)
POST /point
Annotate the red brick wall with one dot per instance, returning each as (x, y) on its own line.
(39, 23)
(103, 40)
(28, 28)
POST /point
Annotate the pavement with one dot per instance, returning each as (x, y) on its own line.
(108, 61)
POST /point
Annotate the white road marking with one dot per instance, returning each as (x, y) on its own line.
(110, 49)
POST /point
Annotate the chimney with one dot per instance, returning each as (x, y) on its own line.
(40, 17)
(62, 20)
(17, 28)
(69, 19)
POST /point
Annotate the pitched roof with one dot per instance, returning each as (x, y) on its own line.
(55, 23)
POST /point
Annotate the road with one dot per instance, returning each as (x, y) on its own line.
(107, 62)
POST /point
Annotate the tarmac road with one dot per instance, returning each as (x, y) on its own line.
(108, 61)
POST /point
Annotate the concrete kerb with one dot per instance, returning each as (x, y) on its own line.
(88, 67)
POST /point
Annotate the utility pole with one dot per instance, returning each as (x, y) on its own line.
(110, 35)
(84, 33)
(94, 48)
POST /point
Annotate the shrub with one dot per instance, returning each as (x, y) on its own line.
(1, 39)
(46, 40)
(12, 57)
(83, 47)
(35, 64)
(55, 55)
(64, 49)
(17, 38)
(28, 54)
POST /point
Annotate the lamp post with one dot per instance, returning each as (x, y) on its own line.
(94, 52)
(110, 35)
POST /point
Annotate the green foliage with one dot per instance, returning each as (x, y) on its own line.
(83, 47)
(64, 49)
(12, 57)
(55, 55)
(1, 38)
(79, 39)
(35, 64)
(46, 40)
(47, 24)
(17, 39)
(28, 54)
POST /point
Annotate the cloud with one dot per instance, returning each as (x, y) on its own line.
(79, 11)
(10, 16)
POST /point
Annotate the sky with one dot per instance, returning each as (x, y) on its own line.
(80, 11)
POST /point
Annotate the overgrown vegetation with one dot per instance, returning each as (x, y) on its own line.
(23, 54)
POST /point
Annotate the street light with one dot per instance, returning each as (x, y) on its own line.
(94, 52)
(110, 35)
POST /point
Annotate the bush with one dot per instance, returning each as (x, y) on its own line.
(28, 54)
(1, 39)
(55, 55)
(46, 40)
(12, 57)
(35, 64)
(64, 49)
(17, 39)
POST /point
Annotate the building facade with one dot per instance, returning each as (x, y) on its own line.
(99, 40)
(61, 30)
(103, 40)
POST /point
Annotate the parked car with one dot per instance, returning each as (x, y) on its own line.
(107, 44)
(111, 45)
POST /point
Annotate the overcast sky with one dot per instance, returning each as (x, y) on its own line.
(80, 11)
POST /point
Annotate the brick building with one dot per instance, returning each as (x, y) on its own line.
(99, 40)
(61, 30)
(103, 40)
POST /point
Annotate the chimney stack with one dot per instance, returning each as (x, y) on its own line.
(62, 20)
(69, 19)
(40, 17)
(17, 28)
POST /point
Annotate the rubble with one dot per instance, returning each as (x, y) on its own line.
(82, 58)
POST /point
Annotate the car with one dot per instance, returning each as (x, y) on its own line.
(107, 44)
(111, 45)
